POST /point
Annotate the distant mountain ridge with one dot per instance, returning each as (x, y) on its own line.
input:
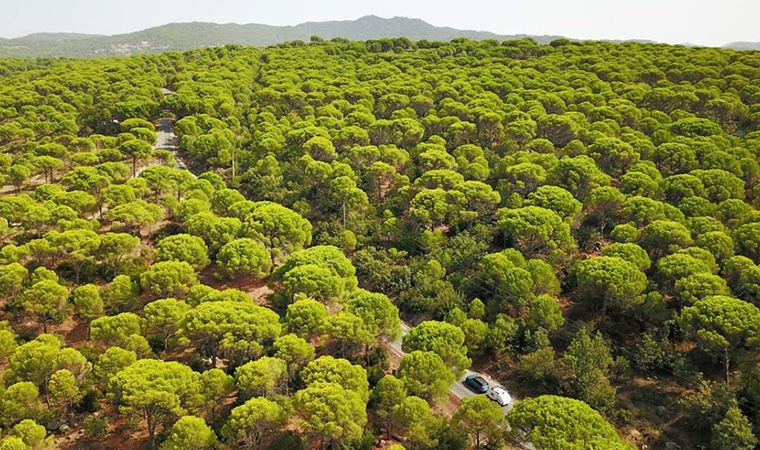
(189, 35)
(186, 36)
(56, 37)
(743, 45)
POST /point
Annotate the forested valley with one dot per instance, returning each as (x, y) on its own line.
(311, 245)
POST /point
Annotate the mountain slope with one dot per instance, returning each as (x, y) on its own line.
(56, 37)
(743, 45)
(373, 27)
(185, 36)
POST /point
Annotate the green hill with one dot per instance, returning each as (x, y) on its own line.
(185, 36)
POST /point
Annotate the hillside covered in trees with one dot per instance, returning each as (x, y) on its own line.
(222, 248)
(192, 35)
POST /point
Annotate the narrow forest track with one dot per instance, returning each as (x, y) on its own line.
(165, 140)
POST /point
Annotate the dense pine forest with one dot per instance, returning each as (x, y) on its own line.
(309, 246)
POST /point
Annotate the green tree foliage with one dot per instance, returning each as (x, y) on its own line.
(137, 150)
(116, 330)
(587, 364)
(718, 243)
(444, 339)
(120, 294)
(413, 418)
(579, 175)
(13, 443)
(555, 199)
(697, 286)
(377, 312)
(348, 333)
(610, 281)
(386, 395)
(113, 360)
(425, 374)
(306, 317)
(733, 432)
(545, 312)
(504, 279)
(34, 360)
(330, 413)
(47, 300)
(88, 302)
(661, 237)
(183, 247)
(12, 277)
(163, 318)
(216, 231)
(169, 278)
(20, 401)
(63, 388)
(33, 435)
(314, 281)
(631, 253)
(264, 377)
(746, 238)
(115, 248)
(280, 229)
(483, 420)
(294, 351)
(551, 422)
(7, 341)
(726, 326)
(253, 421)
(135, 215)
(154, 390)
(708, 403)
(322, 272)
(216, 386)
(190, 432)
(327, 369)
(244, 256)
(229, 328)
(537, 231)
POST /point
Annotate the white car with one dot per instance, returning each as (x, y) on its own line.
(499, 395)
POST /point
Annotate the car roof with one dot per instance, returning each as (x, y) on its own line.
(501, 392)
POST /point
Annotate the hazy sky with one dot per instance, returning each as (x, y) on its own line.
(706, 22)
